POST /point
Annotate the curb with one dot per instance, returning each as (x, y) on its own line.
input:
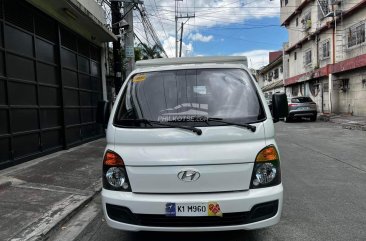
(79, 226)
(345, 124)
(52, 230)
(5, 184)
(49, 231)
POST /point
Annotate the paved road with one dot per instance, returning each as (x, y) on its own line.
(324, 176)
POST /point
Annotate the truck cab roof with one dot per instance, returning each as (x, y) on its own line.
(195, 61)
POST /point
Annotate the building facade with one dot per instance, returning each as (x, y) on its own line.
(271, 76)
(326, 53)
(52, 75)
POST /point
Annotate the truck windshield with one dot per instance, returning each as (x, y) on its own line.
(184, 95)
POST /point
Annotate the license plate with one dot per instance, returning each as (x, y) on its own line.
(304, 108)
(193, 209)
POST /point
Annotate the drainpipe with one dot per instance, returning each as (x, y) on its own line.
(330, 93)
(334, 60)
(283, 67)
(322, 98)
(334, 34)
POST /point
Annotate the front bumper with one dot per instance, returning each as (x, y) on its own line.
(153, 205)
(302, 113)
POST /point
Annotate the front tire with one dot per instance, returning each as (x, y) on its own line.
(313, 118)
(287, 119)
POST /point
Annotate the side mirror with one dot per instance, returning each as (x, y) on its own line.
(279, 106)
(103, 113)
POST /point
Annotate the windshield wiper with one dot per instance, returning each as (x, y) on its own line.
(221, 120)
(152, 122)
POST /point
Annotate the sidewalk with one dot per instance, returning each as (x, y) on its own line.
(44, 193)
(346, 121)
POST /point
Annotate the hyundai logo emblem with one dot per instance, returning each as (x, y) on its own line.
(189, 175)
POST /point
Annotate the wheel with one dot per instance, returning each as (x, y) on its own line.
(313, 118)
(287, 119)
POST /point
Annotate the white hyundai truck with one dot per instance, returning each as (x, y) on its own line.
(191, 147)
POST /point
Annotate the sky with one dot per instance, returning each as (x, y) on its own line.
(220, 27)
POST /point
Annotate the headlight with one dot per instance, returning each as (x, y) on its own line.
(116, 177)
(266, 171)
(114, 173)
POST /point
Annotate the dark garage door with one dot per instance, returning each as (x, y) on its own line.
(50, 83)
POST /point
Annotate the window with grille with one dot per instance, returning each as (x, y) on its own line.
(324, 49)
(307, 57)
(356, 35)
(275, 73)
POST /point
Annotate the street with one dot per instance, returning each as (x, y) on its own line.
(323, 173)
(163, 111)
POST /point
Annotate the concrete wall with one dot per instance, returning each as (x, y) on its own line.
(266, 80)
(94, 8)
(350, 101)
(296, 60)
(286, 10)
(342, 32)
(342, 52)
(269, 93)
(353, 100)
(327, 35)
(260, 79)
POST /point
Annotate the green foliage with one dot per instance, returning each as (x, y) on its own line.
(149, 52)
(138, 54)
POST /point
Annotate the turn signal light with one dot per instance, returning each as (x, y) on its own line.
(112, 159)
(267, 154)
(114, 173)
(266, 170)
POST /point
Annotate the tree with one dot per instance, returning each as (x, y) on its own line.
(138, 54)
(150, 52)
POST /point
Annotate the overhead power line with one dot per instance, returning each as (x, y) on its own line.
(148, 27)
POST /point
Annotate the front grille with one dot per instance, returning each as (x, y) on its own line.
(258, 212)
(164, 221)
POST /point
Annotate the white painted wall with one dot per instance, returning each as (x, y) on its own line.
(353, 100)
(342, 36)
(289, 8)
(94, 8)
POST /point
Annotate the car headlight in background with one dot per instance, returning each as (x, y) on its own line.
(266, 171)
(114, 173)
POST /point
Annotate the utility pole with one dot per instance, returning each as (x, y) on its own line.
(129, 37)
(176, 24)
(117, 50)
(125, 22)
(181, 40)
(176, 27)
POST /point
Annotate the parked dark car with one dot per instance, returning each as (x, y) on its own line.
(301, 107)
